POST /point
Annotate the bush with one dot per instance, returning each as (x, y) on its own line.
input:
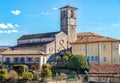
(46, 73)
(27, 76)
(36, 76)
(3, 74)
(20, 68)
(13, 74)
(44, 66)
(63, 76)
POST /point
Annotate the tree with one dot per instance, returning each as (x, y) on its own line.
(78, 62)
(27, 76)
(68, 55)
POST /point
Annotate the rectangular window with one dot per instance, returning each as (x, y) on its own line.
(8, 60)
(88, 58)
(96, 58)
(16, 60)
(29, 59)
(113, 47)
(104, 46)
(104, 59)
(113, 59)
(80, 47)
(92, 58)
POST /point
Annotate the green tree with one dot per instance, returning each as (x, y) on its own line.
(27, 76)
(68, 55)
(78, 62)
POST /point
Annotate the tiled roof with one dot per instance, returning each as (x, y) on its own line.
(88, 34)
(104, 68)
(2, 49)
(33, 44)
(38, 36)
(23, 52)
(87, 37)
(68, 6)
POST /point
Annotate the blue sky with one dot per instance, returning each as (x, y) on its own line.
(20, 17)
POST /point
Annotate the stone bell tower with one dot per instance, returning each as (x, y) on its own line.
(68, 23)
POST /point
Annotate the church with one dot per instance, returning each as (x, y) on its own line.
(34, 50)
(37, 49)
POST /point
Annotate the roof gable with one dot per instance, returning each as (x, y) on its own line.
(68, 6)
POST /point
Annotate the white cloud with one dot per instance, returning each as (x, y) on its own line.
(45, 13)
(116, 25)
(8, 31)
(8, 25)
(55, 8)
(15, 12)
(16, 25)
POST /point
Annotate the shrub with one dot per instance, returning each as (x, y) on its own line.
(46, 73)
(36, 76)
(3, 74)
(63, 76)
(13, 74)
(44, 66)
(20, 68)
(27, 76)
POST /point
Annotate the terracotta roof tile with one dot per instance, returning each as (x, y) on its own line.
(92, 37)
(105, 68)
(2, 49)
(10, 52)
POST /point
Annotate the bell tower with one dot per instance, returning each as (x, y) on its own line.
(68, 22)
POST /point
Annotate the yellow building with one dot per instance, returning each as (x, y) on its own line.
(97, 48)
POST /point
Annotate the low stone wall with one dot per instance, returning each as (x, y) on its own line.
(104, 80)
(65, 81)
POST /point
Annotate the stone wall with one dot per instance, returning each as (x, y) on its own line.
(104, 79)
(65, 81)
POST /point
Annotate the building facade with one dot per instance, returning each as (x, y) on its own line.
(97, 48)
(44, 45)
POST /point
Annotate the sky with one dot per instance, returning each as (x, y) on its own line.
(21, 17)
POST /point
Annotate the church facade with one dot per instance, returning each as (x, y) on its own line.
(37, 49)
(44, 47)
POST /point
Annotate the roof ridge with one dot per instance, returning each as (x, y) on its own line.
(42, 33)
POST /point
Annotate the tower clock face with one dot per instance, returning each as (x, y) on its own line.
(72, 22)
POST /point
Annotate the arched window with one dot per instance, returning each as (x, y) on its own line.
(64, 14)
(72, 14)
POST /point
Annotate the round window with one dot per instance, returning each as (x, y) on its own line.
(62, 42)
